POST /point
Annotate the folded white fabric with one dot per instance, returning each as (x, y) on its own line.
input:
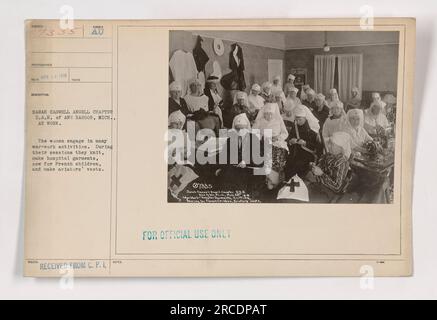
(295, 189)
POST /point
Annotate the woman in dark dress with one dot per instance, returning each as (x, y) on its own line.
(215, 101)
(241, 155)
(210, 124)
(303, 143)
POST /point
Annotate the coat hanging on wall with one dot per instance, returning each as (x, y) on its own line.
(234, 80)
(216, 69)
(200, 55)
(183, 68)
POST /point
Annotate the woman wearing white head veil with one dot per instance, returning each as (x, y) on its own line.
(332, 169)
(176, 120)
(303, 92)
(269, 118)
(279, 98)
(240, 152)
(376, 97)
(256, 102)
(196, 99)
(334, 99)
(240, 126)
(289, 114)
(290, 83)
(375, 122)
(276, 82)
(303, 144)
(277, 90)
(176, 123)
(313, 122)
(355, 127)
(175, 100)
(240, 105)
(335, 121)
(355, 101)
(374, 190)
(292, 95)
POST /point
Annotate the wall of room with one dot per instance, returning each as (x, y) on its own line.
(380, 63)
(255, 57)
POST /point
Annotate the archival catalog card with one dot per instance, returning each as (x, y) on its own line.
(219, 147)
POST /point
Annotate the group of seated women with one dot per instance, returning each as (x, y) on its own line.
(311, 136)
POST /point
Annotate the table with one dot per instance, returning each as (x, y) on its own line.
(374, 176)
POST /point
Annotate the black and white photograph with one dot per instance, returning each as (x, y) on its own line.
(224, 158)
(282, 116)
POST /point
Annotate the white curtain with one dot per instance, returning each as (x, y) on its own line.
(324, 71)
(350, 74)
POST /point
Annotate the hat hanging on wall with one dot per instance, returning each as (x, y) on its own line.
(219, 47)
